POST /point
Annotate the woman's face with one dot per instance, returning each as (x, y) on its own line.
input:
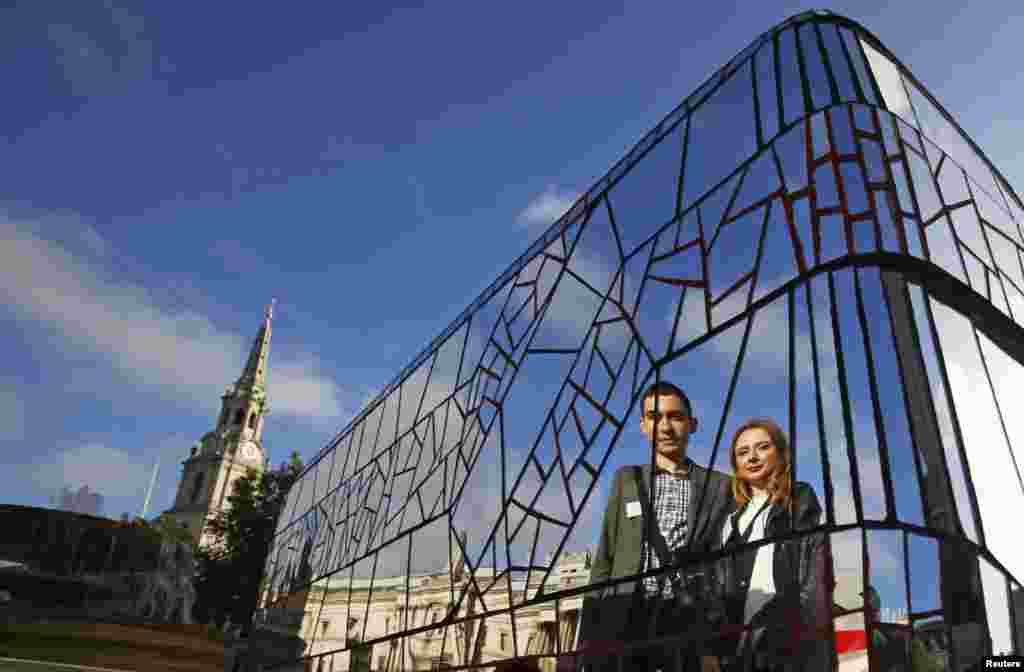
(756, 457)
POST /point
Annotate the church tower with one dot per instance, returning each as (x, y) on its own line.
(224, 455)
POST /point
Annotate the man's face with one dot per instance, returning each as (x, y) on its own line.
(669, 427)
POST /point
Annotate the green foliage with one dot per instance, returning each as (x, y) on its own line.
(229, 571)
(214, 632)
(165, 529)
(923, 660)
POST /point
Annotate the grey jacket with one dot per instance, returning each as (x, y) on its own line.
(620, 547)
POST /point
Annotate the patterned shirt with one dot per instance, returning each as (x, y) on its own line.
(671, 507)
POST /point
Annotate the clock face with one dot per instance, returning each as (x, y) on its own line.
(249, 450)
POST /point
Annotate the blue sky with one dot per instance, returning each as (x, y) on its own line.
(165, 172)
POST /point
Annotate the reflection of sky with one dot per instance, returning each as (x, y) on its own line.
(722, 135)
(645, 197)
(612, 254)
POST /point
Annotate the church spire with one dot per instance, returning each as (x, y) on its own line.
(226, 454)
(254, 375)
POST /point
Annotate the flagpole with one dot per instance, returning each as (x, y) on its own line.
(149, 491)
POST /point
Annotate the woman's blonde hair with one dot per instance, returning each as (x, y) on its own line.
(780, 487)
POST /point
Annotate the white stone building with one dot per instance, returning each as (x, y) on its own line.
(391, 607)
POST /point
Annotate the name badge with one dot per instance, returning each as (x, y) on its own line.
(632, 509)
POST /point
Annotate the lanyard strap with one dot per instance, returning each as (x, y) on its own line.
(744, 537)
(657, 541)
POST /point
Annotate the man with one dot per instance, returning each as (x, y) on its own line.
(648, 521)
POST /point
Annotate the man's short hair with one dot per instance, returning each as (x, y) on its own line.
(667, 389)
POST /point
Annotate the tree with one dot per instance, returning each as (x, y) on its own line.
(229, 570)
(167, 530)
(923, 660)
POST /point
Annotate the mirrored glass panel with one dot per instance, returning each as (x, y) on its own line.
(645, 198)
(722, 135)
(889, 82)
(674, 372)
(941, 514)
(790, 80)
(985, 444)
(856, 58)
(997, 609)
(817, 77)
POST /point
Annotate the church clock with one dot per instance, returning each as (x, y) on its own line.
(249, 450)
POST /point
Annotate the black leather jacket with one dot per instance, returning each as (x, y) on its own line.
(799, 569)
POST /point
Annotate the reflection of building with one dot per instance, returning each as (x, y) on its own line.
(833, 251)
(393, 607)
(222, 456)
(889, 631)
(82, 501)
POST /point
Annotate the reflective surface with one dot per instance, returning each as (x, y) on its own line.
(455, 520)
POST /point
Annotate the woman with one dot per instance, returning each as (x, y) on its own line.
(776, 589)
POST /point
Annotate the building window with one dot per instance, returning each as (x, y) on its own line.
(252, 421)
(503, 641)
(323, 627)
(239, 416)
(197, 486)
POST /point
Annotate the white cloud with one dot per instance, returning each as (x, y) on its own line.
(120, 476)
(92, 241)
(181, 352)
(109, 471)
(12, 412)
(767, 346)
(68, 230)
(102, 61)
(886, 560)
(890, 82)
(296, 388)
(87, 66)
(573, 306)
(547, 207)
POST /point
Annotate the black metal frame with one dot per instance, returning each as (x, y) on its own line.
(348, 515)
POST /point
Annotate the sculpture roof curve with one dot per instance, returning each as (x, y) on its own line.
(684, 108)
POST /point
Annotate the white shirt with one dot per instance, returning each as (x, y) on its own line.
(762, 579)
